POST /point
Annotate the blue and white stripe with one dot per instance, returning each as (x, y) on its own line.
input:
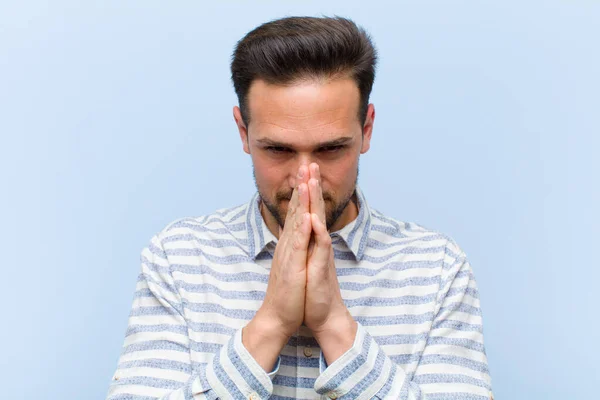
(411, 290)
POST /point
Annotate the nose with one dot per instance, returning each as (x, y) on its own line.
(301, 160)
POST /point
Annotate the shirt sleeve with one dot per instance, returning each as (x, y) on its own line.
(453, 364)
(155, 362)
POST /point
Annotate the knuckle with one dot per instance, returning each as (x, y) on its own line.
(291, 211)
(296, 244)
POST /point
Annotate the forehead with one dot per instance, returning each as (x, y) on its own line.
(305, 112)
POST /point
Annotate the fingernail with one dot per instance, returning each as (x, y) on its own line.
(300, 173)
(300, 189)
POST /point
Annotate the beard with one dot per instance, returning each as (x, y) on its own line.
(334, 207)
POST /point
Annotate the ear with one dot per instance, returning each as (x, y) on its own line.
(368, 129)
(242, 129)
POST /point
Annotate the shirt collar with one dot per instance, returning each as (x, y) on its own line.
(354, 234)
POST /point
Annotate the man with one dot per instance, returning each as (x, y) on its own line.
(305, 292)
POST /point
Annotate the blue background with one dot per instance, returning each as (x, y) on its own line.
(116, 119)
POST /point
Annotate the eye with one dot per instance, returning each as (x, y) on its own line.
(277, 149)
(331, 149)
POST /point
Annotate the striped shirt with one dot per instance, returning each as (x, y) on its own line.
(411, 291)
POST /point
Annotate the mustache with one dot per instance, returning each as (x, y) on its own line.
(283, 196)
(287, 196)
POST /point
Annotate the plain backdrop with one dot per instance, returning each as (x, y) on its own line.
(115, 119)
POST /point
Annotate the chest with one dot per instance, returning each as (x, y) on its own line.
(394, 300)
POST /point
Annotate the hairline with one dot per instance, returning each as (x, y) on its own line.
(320, 78)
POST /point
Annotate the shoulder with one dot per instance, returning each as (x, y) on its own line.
(222, 222)
(385, 228)
(397, 228)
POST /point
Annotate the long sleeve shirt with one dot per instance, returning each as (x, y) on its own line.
(411, 291)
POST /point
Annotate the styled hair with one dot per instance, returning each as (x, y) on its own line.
(289, 50)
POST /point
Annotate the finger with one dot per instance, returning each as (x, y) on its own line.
(315, 172)
(322, 248)
(301, 176)
(303, 205)
(300, 240)
(303, 198)
(291, 211)
(311, 243)
(317, 203)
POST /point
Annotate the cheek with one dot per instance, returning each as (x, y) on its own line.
(269, 173)
(340, 173)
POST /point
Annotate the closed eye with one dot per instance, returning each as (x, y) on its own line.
(331, 149)
(277, 149)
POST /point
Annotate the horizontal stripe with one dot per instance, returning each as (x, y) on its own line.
(148, 381)
(449, 378)
(156, 364)
(411, 290)
(154, 345)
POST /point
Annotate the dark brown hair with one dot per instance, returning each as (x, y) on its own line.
(290, 49)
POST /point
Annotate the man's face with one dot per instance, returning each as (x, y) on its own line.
(310, 121)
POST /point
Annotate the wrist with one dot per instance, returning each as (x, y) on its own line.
(264, 340)
(336, 337)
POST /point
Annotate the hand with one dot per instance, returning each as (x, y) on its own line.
(284, 300)
(282, 311)
(324, 309)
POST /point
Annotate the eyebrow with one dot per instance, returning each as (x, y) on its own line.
(336, 142)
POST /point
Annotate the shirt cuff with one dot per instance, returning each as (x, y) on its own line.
(322, 363)
(275, 368)
(360, 373)
(234, 373)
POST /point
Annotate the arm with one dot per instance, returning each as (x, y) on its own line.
(453, 364)
(155, 362)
